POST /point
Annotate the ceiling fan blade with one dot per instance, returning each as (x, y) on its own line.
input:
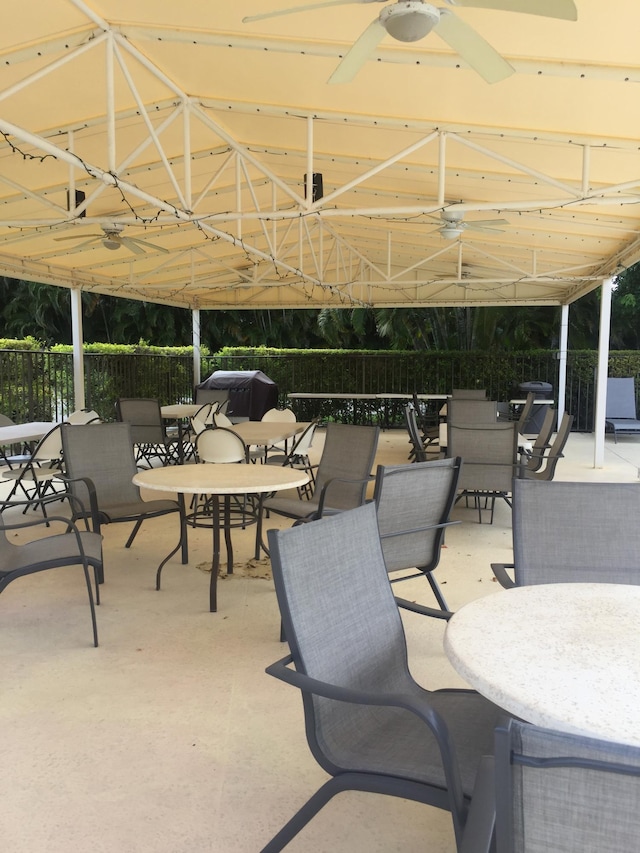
(153, 246)
(487, 223)
(472, 226)
(563, 9)
(470, 45)
(291, 11)
(132, 246)
(358, 53)
(76, 237)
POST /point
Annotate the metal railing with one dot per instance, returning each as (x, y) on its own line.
(38, 385)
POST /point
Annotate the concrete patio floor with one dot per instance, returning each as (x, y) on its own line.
(170, 737)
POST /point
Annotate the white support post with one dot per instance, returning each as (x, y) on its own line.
(602, 371)
(78, 358)
(195, 317)
(562, 363)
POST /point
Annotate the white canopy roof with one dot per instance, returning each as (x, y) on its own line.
(192, 131)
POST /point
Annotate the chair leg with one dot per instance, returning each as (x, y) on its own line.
(91, 604)
(134, 533)
(437, 591)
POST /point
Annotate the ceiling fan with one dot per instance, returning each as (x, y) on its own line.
(113, 238)
(452, 224)
(412, 20)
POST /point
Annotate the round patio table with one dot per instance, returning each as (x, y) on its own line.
(561, 656)
(216, 480)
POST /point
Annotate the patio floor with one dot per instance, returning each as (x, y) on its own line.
(169, 737)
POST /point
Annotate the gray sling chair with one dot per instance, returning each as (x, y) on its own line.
(620, 411)
(554, 453)
(566, 532)
(99, 462)
(341, 479)
(148, 432)
(552, 791)
(413, 504)
(533, 460)
(418, 451)
(368, 723)
(74, 547)
(488, 452)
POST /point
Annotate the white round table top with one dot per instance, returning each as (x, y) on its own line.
(561, 656)
(180, 410)
(231, 479)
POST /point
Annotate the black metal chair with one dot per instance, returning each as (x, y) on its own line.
(368, 723)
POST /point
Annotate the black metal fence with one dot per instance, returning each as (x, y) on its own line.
(38, 385)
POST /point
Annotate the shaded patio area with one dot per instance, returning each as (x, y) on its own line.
(170, 737)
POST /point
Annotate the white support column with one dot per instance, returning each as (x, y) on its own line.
(562, 363)
(78, 358)
(601, 377)
(195, 317)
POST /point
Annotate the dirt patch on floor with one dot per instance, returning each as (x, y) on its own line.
(243, 569)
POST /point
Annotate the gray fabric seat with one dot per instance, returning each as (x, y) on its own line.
(620, 411)
(573, 532)
(99, 460)
(369, 724)
(414, 503)
(341, 479)
(552, 791)
(74, 547)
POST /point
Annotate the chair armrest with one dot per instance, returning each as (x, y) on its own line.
(35, 522)
(78, 508)
(481, 818)
(327, 485)
(422, 610)
(500, 571)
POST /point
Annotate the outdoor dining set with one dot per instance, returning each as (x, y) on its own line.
(492, 755)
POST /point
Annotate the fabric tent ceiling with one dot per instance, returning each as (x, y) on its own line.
(192, 132)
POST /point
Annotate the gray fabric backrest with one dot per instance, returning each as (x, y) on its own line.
(348, 453)
(488, 454)
(462, 411)
(414, 498)
(621, 398)
(339, 614)
(469, 393)
(565, 809)
(564, 532)
(145, 418)
(104, 453)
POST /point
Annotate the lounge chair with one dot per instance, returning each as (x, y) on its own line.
(620, 412)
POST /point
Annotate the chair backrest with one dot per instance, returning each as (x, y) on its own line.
(340, 617)
(6, 421)
(221, 420)
(584, 532)
(303, 442)
(621, 398)
(488, 454)
(83, 416)
(348, 454)
(49, 448)
(463, 411)
(414, 503)
(279, 415)
(145, 418)
(469, 393)
(564, 792)
(525, 413)
(104, 454)
(417, 444)
(220, 445)
(555, 451)
(541, 443)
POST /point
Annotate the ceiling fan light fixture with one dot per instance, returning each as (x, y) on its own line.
(409, 20)
(451, 232)
(111, 241)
